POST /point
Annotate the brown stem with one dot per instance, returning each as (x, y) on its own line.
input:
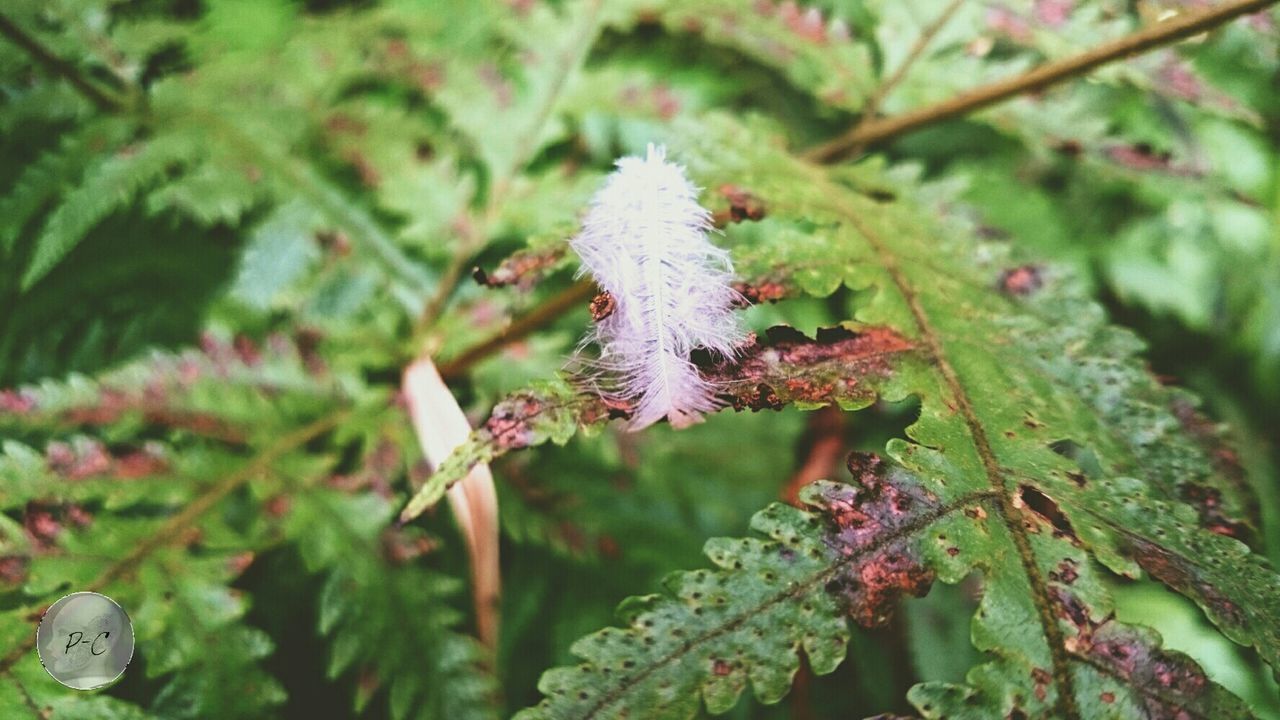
(927, 35)
(57, 66)
(1153, 36)
(539, 317)
(821, 450)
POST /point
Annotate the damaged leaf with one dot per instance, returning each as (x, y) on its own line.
(1045, 457)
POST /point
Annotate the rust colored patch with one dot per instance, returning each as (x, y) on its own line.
(1208, 500)
(334, 241)
(743, 205)
(278, 506)
(90, 459)
(859, 517)
(16, 401)
(760, 291)
(838, 364)
(617, 408)
(1173, 683)
(1070, 148)
(1144, 158)
(77, 515)
(720, 668)
(807, 24)
(522, 269)
(1065, 573)
(607, 546)
(1042, 678)
(509, 423)
(239, 562)
(1022, 280)
(1177, 574)
(602, 305)
(146, 462)
(761, 397)
(13, 569)
(41, 525)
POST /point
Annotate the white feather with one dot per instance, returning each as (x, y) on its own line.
(644, 241)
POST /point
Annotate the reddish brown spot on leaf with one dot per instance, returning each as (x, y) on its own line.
(1022, 280)
(1065, 573)
(509, 423)
(1042, 678)
(838, 364)
(1208, 500)
(1178, 574)
(863, 524)
(761, 291)
(743, 205)
(13, 569)
(239, 562)
(1169, 683)
(278, 506)
(41, 525)
(16, 401)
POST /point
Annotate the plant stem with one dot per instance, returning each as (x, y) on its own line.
(927, 35)
(539, 317)
(57, 66)
(1158, 34)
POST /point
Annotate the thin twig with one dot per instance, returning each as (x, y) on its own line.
(536, 319)
(173, 528)
(1158, 34)
(872, 108)
(57, 66)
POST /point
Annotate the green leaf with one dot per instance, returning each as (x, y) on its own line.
(106, 187)
(1042, 460)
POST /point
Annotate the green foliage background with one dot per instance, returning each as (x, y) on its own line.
(217, 261)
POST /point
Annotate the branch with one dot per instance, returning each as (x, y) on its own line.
(539, 317)
(58, 66)
(872, 108)
(1161, 33)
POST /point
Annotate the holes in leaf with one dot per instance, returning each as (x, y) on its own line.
(1046, 508)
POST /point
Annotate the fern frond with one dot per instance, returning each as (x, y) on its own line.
(107, 186)
(54, 172)
(1061, 461)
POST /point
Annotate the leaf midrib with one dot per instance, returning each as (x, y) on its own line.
(820, 578)
(1065, 705)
